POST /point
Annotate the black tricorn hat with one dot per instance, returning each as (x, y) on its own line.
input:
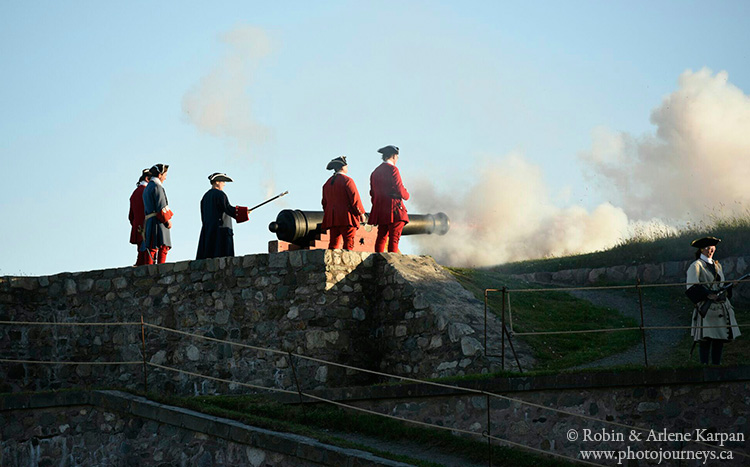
(145, 173)
(219, 177)
(337, 163)
(388, 150)
(158, 169)
(705, 241)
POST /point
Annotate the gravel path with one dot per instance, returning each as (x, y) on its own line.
(660, 343)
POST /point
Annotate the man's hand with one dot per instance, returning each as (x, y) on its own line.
(169, 224)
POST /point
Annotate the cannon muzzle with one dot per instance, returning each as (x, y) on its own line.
(427, 224)
(303, 227)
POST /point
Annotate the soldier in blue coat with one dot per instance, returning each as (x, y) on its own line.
(217, 236)
(158, 220)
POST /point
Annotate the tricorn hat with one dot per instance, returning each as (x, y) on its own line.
(158, 169)
(145, 173)
(388, 150)
(705, 241)
(219, 177)
(337, 163)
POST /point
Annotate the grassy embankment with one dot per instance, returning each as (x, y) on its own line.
(654, 247)
(550, 311)
(322, 422)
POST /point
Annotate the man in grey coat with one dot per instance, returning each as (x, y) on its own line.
(157, 240)
(715, 325)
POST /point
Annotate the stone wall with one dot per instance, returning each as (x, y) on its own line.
(680, 401)
(112, 428)
(387, 312)
(671, 272)
(118, 429)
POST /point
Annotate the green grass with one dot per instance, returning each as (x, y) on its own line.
(552, 311)
(654, 247)
(319, 421)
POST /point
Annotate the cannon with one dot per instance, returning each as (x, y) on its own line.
(297, 229)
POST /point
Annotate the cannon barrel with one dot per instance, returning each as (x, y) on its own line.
(427, 224)
(299, 227)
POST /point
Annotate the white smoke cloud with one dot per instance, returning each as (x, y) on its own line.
(508, 215)
(220, 104)
(694, 167)
(697, 162)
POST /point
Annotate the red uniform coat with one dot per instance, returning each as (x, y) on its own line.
(387, 193)
(136, 215)
(342, 205)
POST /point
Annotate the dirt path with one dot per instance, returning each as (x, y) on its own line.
(659, 343)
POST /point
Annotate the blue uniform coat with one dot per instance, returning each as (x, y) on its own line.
(155, 200)
(217, 236)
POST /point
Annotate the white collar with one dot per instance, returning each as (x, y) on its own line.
(390, 161)
(707, 259)
(340, 173)
(143, 183)
(156, 180)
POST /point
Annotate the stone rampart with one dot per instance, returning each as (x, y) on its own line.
(387, 312)
(671, 272)
(118, 429)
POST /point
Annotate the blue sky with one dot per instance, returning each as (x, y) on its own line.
(92, 92)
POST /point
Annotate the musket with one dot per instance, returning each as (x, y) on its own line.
(698, 293)
(267, 201)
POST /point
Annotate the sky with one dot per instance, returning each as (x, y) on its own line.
(540, 128)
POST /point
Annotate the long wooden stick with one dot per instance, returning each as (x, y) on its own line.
(267, 201)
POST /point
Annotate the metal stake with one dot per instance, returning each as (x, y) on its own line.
(505, 292)
(485, 322)
(143, 347)
(643, 331)
(489, 431)
(296, 381)
(510, 341)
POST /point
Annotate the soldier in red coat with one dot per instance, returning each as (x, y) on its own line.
(388, 195)
(342, 206)
(137, 216)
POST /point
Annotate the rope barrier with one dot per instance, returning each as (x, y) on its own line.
(213, 339)
(368, 411)
(373, 412)
(594, 419)
(305, 357)
(612, 287)
(221, 380)
(44, 323)
(402, 378)
(264, 349)
(645, 328)
(44, 362)
(580, 331)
